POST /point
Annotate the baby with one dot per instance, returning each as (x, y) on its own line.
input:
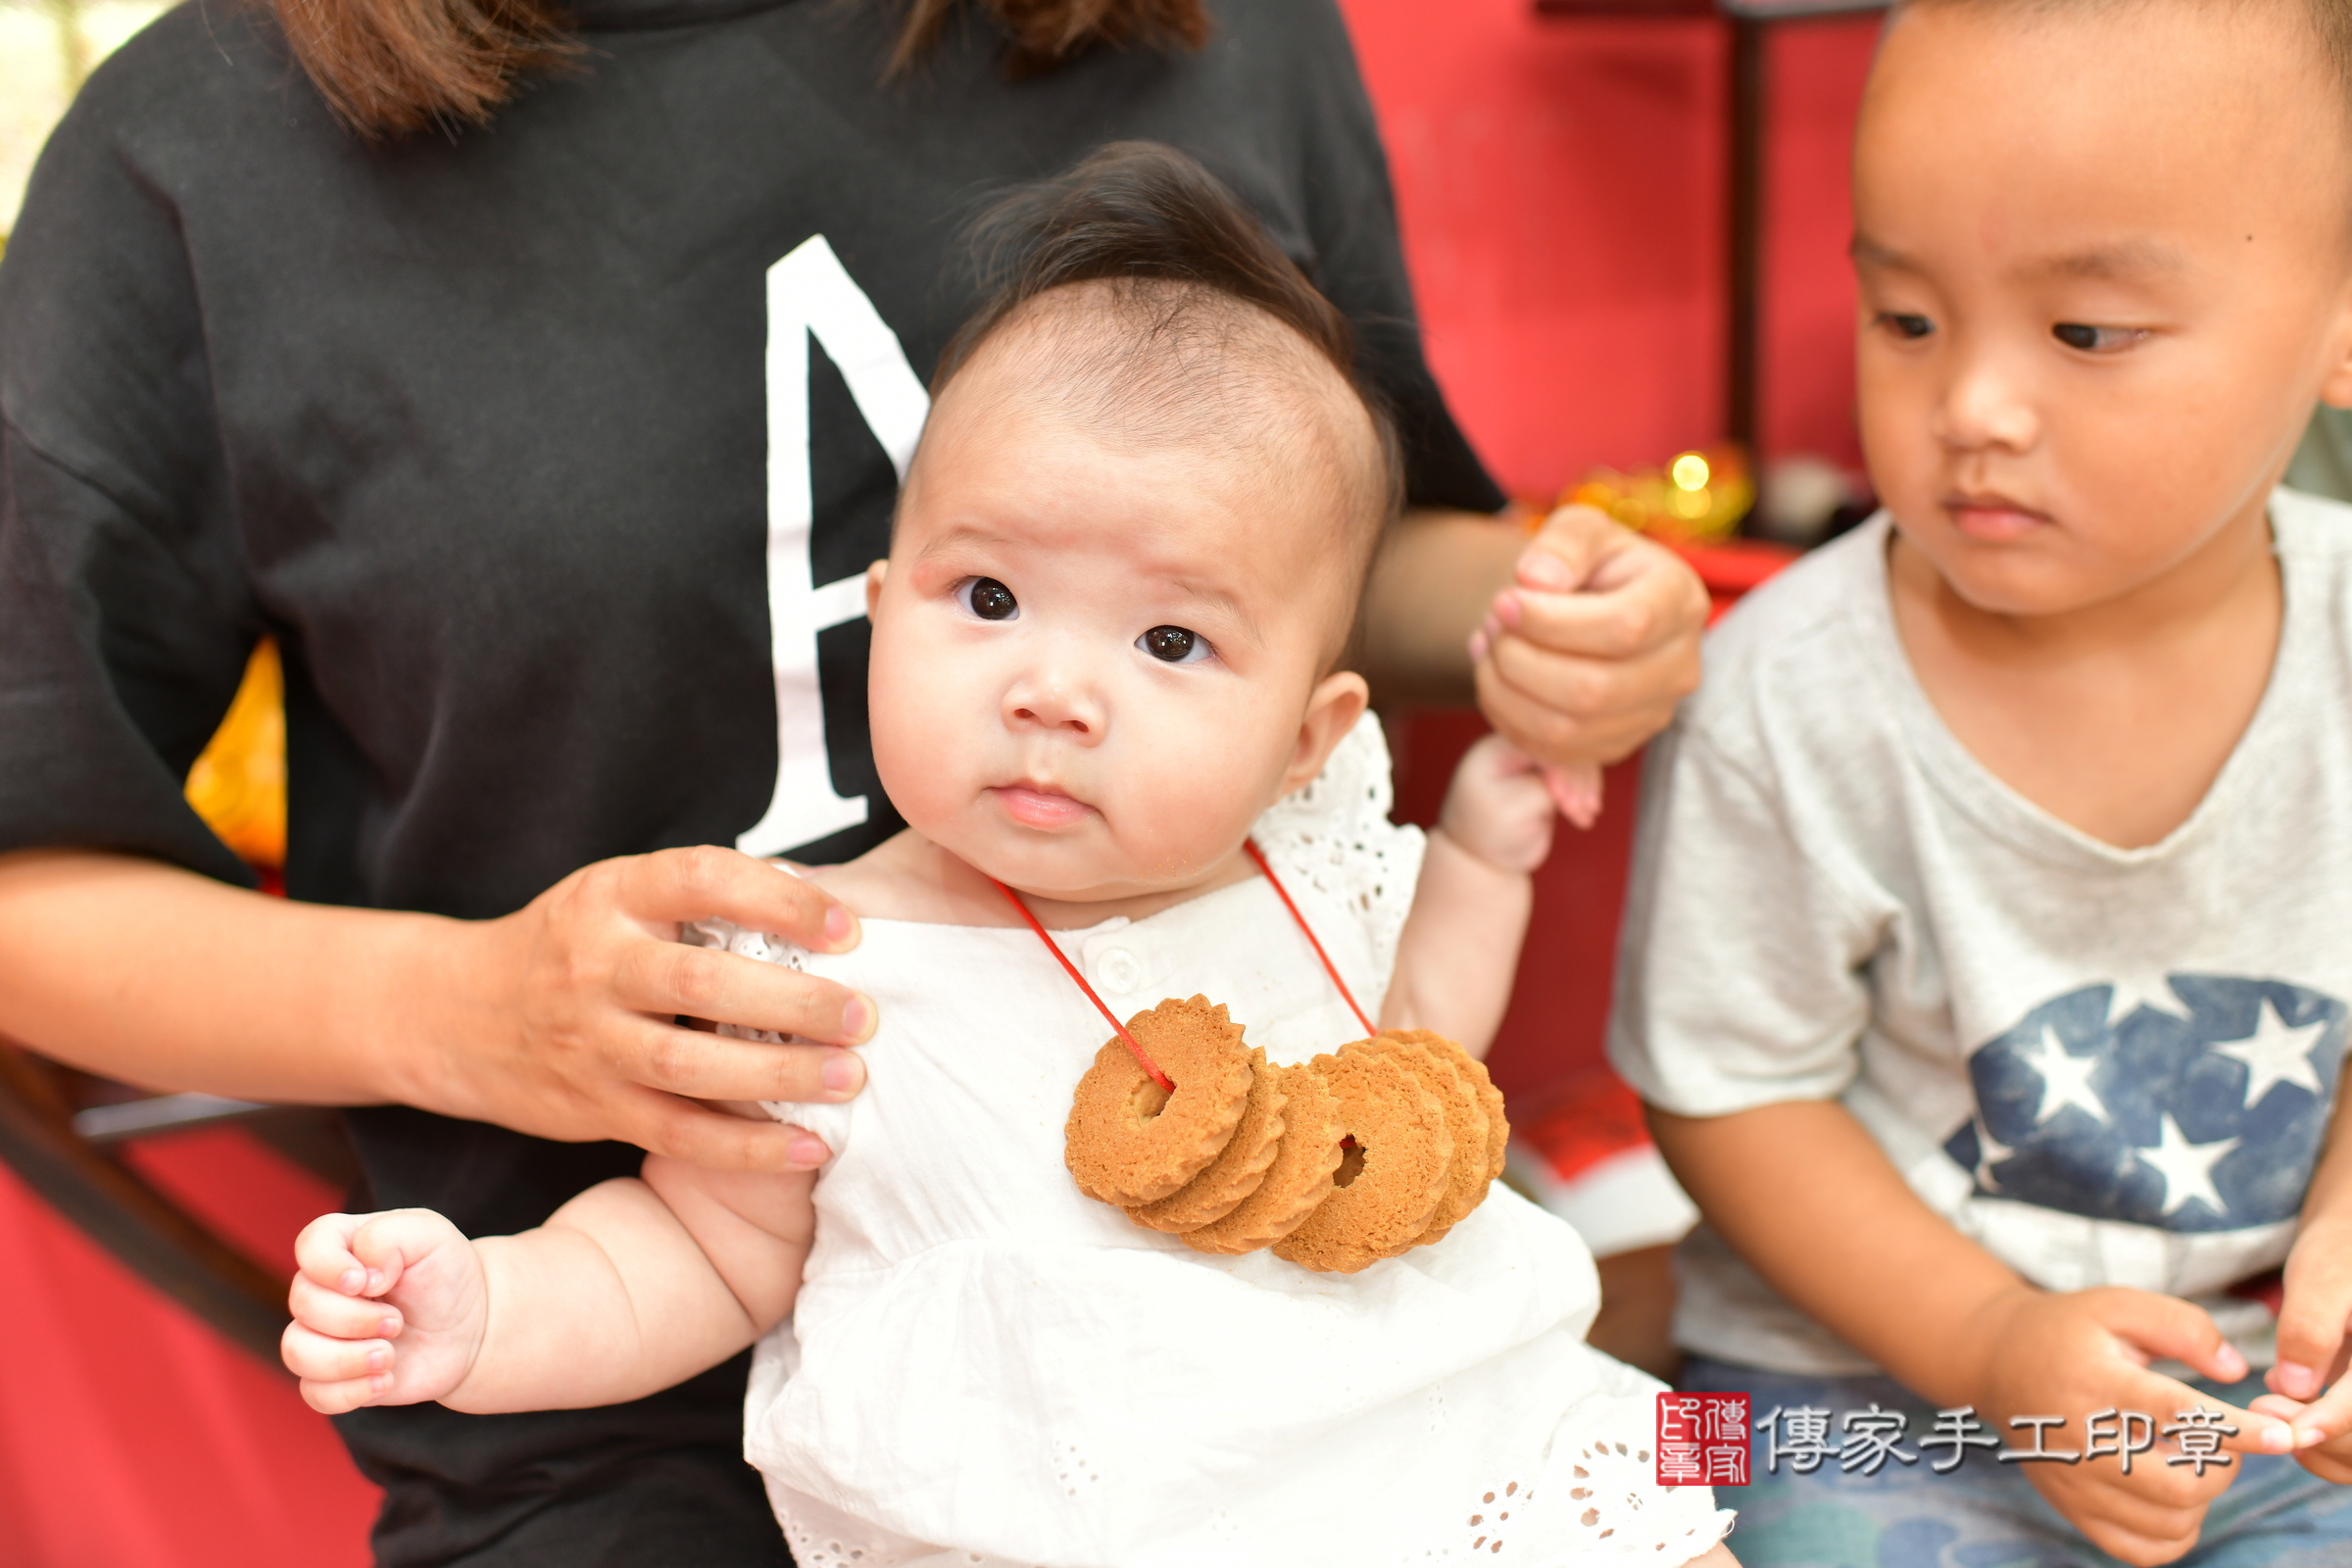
(1989, 950)
(1108, 640)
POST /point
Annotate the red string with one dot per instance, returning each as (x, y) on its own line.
(1142, 1057)
(1329, 968)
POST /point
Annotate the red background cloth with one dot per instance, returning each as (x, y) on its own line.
(1561, 186)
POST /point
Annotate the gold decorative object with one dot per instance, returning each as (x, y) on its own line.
(1697, 498)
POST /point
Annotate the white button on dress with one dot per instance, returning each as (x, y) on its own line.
(1116, 970)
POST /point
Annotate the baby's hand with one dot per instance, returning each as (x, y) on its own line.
(1498, 807)
(368, 1280)
(2313, 1351)
(2082, 1351)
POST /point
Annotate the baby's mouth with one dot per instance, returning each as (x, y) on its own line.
(1036, 805)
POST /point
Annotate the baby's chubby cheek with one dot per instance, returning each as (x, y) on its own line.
(1179, 806)
(931, 729)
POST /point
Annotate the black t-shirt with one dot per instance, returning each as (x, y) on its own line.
(550, 452)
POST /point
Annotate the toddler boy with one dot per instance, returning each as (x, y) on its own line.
(1988, 960)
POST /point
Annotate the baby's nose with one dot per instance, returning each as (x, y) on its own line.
(1052, 719)
(1055, 705)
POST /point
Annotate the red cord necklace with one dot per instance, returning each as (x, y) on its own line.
(1142, 1057)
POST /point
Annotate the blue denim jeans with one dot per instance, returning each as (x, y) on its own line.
(1986, 1515)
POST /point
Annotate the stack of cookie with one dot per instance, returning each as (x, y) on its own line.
(1385, 1145)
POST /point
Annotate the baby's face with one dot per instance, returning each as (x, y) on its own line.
(1094, 658)
(2103, 264)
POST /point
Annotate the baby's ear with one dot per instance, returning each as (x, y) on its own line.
(873, 585)
(2336, 389)
(1332, 710)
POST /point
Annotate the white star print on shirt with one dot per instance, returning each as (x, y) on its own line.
(2129, 996)
(2065, 1078)
(1991, 1151)
(2186, 1168)
(2276, 1052)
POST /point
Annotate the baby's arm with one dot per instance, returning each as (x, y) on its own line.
(1460, 948)
(631, 1287)
(2313, 1345)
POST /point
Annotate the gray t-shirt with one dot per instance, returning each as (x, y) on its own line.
(2108, 1067)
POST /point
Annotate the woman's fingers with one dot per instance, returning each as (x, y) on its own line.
(1568, 709)
(663, 1124)
(701, 1065)
(1584, 658)
(1587, 586)
(707, 883)
(561, 1016)
(670, 979)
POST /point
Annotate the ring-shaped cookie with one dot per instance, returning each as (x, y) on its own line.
(1298, 1180)
(1489, 1097)
(1127, 1141)
(1237, 1168)
(1388, 1185)
(1438, 1062)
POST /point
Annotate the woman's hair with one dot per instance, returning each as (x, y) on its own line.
(389, 68)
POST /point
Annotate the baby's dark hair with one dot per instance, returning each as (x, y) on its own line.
(1193, 279)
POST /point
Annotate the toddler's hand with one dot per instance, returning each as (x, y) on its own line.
(2313, 1351)
(2082, 1351)
(1499, 807)
(368, 1280)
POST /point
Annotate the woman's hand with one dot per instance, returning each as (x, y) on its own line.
(1581, 639)
(1584, 656)
(562, 1018)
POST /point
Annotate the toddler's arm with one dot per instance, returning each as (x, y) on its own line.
(1807, 1197)
(1460, 947)
(631, 1287)
(2313, 1345)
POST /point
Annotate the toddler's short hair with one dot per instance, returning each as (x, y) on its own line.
(2330, 23)
(1204, 297)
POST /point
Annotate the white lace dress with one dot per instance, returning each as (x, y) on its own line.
(987, 1368)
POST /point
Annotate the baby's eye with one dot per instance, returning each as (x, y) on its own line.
(988, 599)
(1174, 644)
(2096, 339)
(1905, 325)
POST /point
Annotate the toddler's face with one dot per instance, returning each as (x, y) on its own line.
(1095, 659)
(2103, 264)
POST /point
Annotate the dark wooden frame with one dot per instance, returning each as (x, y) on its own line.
(130, 1217)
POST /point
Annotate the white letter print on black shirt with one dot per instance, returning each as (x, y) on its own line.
(810, 293)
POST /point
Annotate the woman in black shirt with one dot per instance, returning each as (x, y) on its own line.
(546, 407)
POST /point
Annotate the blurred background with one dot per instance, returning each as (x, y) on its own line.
(1594, 282)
